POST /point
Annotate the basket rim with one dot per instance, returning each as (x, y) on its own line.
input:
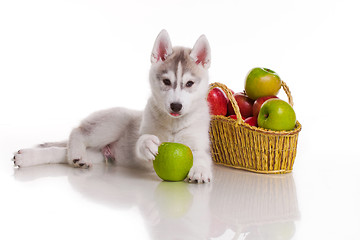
(296, 130)
(280, 171)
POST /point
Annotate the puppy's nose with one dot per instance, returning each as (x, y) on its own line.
(176, 107)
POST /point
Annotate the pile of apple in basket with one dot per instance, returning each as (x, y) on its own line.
(254, 130)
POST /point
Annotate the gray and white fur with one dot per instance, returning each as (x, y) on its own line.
(177, 111)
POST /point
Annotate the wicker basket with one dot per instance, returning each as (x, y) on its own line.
(236, 144)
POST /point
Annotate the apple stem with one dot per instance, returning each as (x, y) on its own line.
(269, 70)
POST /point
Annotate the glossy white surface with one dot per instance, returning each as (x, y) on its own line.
(61, 60)
(236, 203)
(57, 201)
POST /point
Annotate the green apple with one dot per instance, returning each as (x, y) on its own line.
(173, 161)
(276, 114)
(261, 82)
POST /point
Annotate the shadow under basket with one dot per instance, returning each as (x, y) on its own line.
(236, 144)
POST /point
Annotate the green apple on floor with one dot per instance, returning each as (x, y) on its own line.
(173, 161)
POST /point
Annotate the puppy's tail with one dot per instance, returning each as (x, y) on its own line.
(53, 144)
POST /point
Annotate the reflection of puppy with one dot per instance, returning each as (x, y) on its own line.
(171, 210)
(177, 111)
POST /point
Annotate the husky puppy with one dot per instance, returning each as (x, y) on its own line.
(177, 111)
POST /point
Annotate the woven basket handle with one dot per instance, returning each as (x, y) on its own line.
(288, 93)
(233, 101)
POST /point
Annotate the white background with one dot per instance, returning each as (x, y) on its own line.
(61, 60)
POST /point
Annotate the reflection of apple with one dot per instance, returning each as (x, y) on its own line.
(217, 102)
(276, 114)
(245, 105)
(261, 82)
(173, 199)
(252, 121)
(259, 102)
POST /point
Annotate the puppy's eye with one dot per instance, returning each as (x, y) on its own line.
(167, 82)
(189, 84)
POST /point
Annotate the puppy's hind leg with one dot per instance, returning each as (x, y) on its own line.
(53, 144)
(37, 156)
(77, 149)
(82, 152)
(87, 159)
(98, 130)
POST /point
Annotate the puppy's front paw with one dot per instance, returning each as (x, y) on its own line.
(200, 174)
(147, 147)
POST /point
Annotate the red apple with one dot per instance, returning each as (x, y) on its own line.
(235, 117)
(252, 121)
(217, 102)
(245, 105)
(258, 103)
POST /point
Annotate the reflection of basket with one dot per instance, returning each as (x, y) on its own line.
(260, 199)
(235, 143)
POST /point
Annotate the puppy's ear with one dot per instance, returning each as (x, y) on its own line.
(201, 52)
(162, 47)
